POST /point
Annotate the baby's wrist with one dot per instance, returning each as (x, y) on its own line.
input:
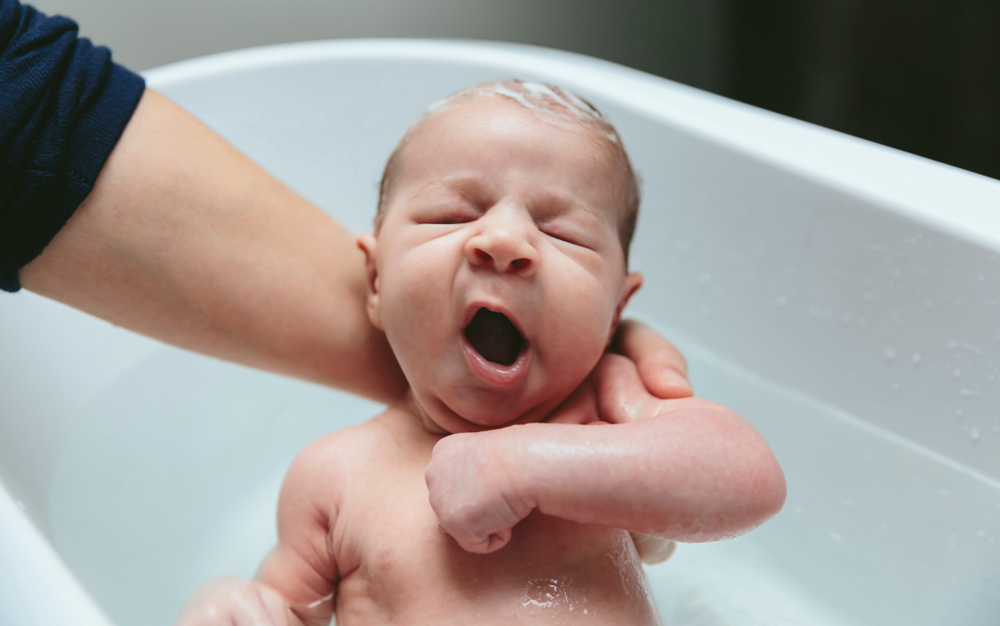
(512, 460)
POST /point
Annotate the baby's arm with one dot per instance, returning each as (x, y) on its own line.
(687, 470)
(296, 583)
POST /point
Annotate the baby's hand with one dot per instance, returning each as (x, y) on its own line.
(471, 493)
(232, 601)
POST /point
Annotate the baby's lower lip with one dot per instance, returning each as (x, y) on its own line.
(495, 373)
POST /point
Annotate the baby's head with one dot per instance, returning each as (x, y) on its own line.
(498, 268)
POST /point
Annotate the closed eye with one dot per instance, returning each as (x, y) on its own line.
(562, 237)
(447, 216)
(568, 234)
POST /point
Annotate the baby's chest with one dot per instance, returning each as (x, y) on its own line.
(406, 564)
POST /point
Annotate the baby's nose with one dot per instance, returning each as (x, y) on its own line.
(504, 246)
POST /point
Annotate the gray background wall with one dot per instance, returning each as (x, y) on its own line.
(677, 39)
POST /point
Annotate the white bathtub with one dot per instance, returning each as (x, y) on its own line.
(841, 295)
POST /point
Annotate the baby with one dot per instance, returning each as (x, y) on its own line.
(506, 487)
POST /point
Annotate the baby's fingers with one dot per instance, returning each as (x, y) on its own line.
(232, 601)
(661, 365)
(491, 543)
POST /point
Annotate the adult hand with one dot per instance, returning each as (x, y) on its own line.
(622, 395)
(658, 372)
(661, 366)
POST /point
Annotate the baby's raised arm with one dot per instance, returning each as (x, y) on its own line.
(296, 583)
(687, 470)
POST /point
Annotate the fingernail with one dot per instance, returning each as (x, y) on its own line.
(674, 378)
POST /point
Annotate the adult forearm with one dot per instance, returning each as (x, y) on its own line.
(186, 240)
(699, 473)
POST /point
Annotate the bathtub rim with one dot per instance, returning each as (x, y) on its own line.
(941, 196)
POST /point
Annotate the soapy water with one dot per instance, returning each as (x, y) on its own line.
(170, 478)
(551, 103)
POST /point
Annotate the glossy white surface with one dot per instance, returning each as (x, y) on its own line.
(841, 295)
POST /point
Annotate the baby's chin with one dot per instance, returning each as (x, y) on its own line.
(468, 416)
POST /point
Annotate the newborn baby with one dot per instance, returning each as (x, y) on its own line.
(504, 488)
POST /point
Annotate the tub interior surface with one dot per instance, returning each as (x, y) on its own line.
(163, 486)
(857, 331)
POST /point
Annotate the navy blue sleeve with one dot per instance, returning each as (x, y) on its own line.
(63, 107)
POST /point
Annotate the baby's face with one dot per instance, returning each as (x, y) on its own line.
(497, 273)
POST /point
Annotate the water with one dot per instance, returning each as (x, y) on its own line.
(170, 477)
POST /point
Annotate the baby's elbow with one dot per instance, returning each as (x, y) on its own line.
(775, 490)
(768, 488)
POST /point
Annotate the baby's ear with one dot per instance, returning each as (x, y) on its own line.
(367, 244)
(633, 280)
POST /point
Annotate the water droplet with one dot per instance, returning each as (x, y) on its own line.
(848, 502)
(957, 373)
(916, 359)
(894, 387)
(862, 323)
(952, 345)
(835, 536)
(890, 355)
(705, 278)
(968, 346)
(782, 301)
(942, 492)
(974, 435)
(20, 504)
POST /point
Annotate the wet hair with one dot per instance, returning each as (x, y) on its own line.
(552, 104)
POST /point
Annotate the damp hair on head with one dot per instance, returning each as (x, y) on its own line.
(552, 104)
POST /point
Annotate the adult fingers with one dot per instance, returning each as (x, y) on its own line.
(661, 365)
(620, 391)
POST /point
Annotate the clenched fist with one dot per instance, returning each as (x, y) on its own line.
(472, 493)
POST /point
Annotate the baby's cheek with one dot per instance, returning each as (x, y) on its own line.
(577, 340)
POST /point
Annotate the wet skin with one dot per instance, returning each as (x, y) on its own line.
(394, 564)
(496, 209)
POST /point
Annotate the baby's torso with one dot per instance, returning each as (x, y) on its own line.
(399, 567)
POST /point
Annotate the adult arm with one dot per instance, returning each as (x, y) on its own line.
(186, 240)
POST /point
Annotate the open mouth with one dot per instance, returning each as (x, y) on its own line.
(494, 337)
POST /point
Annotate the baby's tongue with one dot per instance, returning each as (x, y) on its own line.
(494, 337)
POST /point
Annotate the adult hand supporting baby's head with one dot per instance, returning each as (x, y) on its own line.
(661, 365)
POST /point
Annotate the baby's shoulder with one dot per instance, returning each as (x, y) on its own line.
(327, 468)
(342, 449)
